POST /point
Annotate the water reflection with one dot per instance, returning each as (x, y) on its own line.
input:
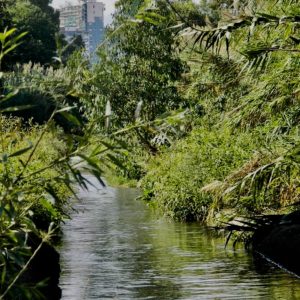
(115, 248)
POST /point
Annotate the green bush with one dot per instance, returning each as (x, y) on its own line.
(175, 179)
(15, 137)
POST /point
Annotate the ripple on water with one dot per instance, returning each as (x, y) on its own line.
(115, 248)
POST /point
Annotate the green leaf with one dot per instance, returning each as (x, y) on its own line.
(14, 40)
(48, 206)
(70, 117)
(67, 108)
(21, 151)
(9, 96)
(2, 37)
(7, 33)
(17, 108)
(6, 51)
(116, 161)
(89, 161)
(51, 191)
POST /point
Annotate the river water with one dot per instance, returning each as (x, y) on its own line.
(114, 247)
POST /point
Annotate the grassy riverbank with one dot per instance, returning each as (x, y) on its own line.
(234, 151)
(242, 155)
(38, 178)
(27, 209)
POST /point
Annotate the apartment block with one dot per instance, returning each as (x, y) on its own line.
(85, 19)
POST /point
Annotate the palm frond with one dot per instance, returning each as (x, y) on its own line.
(214, 39)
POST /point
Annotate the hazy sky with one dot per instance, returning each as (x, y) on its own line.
(109, 4)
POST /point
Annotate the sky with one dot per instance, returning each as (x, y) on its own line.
(109, 5)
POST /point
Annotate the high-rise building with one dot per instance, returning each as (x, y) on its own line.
(85, 19)
(71, 21)
(94, 24)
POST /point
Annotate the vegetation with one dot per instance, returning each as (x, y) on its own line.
(241, 157)
(40, 21)
(199, 103)
(208, 94)
(37, 166)
(138, 64)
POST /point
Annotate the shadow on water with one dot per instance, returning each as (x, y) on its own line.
(116, 248)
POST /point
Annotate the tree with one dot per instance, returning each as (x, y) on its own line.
(41, 22)
(5, 19)
(65, 49)
(139, 63)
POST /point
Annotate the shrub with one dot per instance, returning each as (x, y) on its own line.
(175, 179)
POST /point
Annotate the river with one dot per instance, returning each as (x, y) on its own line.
(115, 247)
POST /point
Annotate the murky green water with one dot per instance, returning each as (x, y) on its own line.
(115, 248)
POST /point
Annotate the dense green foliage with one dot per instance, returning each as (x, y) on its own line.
(37, 164)
(138, 63)
(241, 156)
(43, 91)
(38, 173)
(41, 23)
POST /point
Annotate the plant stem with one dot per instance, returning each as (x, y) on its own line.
(2, 297)
(34, 148)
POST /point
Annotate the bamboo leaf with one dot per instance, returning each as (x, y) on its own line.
(9, 96)
(17, 108)
(68, 108)
(9, 32)
(71, 118)
(48, 206)
(21, 151)
(6, 51)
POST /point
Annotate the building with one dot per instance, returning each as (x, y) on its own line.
(71, 21)
(94, 24)
(85, 19)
